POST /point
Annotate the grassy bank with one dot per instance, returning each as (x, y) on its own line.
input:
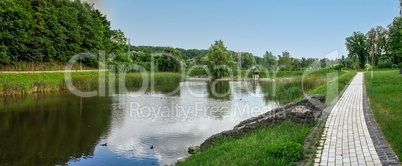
(315, 83)
(262, 74)
(385, 95)
(17, 84)
(334, 86)
(42, 66)
(276, 145)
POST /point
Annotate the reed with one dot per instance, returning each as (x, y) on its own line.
(18, 84)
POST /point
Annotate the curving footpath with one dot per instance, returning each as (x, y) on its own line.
(346, 139)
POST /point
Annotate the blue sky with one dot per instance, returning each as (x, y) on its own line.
(305, 28)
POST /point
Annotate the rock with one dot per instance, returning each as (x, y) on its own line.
(180, 160)
(193, 149)
(301, 114)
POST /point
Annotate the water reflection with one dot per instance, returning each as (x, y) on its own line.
(173, 123)
(50, 129)
(60, 129)
(219, 90)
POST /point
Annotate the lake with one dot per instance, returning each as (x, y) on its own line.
(61, 128)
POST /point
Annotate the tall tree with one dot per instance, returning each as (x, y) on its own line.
(285, 61)
(269, 60)
(247, 60)
(376, 42)
(170, 61)
(44, 30)
(357, 47)
(395, 40)
(218, 59)
(16, 28)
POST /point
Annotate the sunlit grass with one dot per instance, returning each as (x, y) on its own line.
(17, 84)
(385, 94)
(326, 82)
(259, 148)
(334, 86)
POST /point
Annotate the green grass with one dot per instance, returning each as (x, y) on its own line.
(315, 83)
(282, 74)
(17, 84)
(334, 86)
(385, 94)
(14, 84)
(290, 90)
(277, 145)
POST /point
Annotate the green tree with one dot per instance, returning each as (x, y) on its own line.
(376, 43)
(296, 64)
(395, 40)
(118, 42)
(269, 60)
(16, 28)
(247, 60)
(285, 61)
(357, 47)
(170, 61)
(258, 60)
(218, 59)
(45, 30)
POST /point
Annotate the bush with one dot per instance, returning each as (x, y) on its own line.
(197, 72)
(290, 151)
(368, 66)
(338, 67)
(382, 65)
(400, 65)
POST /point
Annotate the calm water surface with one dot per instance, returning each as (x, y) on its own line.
(64, 129)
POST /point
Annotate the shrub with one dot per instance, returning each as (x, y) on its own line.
(368, 66)
(384, 65)
(290, 151)
(338, 67)
(400, 65)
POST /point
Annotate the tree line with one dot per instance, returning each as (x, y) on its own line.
(380, 47)
(239, 60)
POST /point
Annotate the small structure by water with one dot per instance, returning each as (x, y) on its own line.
(256, 74)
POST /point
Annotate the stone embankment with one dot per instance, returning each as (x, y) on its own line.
(303, 111)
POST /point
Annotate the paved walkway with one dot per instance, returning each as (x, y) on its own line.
(346, 139)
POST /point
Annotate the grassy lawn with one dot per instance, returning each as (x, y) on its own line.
(279, 145)
(385, 94)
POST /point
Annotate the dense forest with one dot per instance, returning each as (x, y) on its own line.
(45, 30)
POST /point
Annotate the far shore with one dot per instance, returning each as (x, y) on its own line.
(240, 79)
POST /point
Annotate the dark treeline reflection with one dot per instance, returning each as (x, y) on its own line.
(219, 90)
(173, 89)
(51, 129)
